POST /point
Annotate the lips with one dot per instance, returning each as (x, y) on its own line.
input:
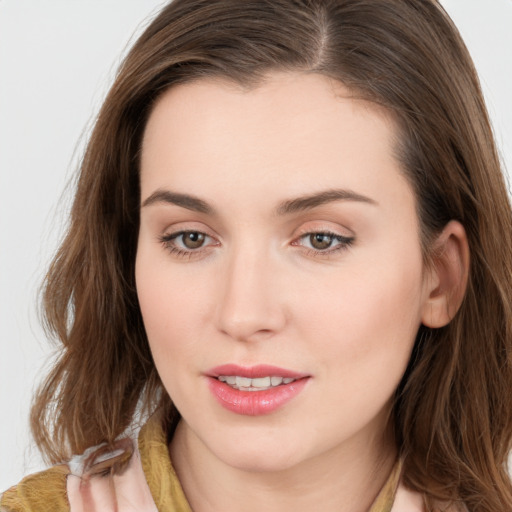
(254, 372)
(254, 390)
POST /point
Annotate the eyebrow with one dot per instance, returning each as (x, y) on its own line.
(288, 207)
(308, 202)
(184, 200)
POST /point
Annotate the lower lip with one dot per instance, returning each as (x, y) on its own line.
(255, 403)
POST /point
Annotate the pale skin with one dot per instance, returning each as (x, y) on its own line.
(251, 285)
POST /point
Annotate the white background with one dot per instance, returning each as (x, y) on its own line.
(57, 58)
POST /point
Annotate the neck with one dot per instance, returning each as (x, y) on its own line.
(347, 478)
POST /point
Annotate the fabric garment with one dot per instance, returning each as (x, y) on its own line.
(145, 481)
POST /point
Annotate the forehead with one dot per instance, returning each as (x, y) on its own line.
(292, 133)
(305, 99)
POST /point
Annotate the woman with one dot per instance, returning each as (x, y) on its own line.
(283, 249)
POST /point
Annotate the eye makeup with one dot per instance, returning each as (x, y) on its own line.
(192, 243)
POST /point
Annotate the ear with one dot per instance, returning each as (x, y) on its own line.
(447, 276)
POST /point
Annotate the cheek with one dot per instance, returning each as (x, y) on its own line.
(169, 307)
(366, 319)
(169, 322)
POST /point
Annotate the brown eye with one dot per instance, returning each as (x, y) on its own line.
(320, 241)
(187, 243)
(324, 243)
(193, 239)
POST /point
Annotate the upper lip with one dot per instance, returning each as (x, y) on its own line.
(254, 372)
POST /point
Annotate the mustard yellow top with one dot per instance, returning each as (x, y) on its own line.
(48, 490)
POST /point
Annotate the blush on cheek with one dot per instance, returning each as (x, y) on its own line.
(361, 318)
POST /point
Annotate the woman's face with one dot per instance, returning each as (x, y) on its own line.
(279, 240)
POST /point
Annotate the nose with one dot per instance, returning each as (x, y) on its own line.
(251, 305)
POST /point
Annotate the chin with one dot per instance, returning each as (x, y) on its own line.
(261, 461)
(262, 454)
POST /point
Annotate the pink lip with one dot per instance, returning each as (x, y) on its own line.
(254, 372)
(254, 403)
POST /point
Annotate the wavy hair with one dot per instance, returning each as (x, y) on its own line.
(453, 409)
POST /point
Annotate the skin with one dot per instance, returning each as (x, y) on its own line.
(258, 292)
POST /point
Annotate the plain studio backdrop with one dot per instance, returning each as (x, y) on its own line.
(57, 60)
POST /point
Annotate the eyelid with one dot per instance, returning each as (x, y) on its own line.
(320, 226)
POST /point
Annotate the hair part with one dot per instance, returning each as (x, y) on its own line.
(453, 410)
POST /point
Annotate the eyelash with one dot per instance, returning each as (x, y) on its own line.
(344, 243)
(168, 242)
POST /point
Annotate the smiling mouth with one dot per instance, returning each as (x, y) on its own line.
(255, 390)
(256, 384)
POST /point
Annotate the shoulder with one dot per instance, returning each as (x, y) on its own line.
(102, 479)
(59, 490)
(38, 492)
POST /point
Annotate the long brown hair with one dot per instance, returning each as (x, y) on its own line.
(453, 409)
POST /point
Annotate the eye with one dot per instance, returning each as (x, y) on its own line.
(191, 239)
(183, 243)
(324, 242)
(320, 241)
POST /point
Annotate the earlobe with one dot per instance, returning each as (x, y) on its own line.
(447, 277)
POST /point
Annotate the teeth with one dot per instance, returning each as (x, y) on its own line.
(263, 382)
(276, 381)
(243, 382)
(258, 384)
